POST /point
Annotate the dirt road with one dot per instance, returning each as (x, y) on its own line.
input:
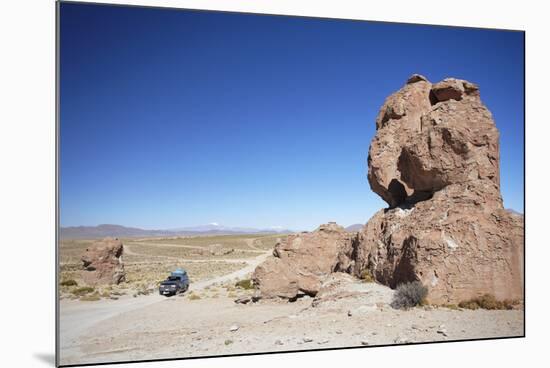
(77, 318)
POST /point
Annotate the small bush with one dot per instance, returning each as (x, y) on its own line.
(70, 282)
(194, 297)
(83, 290)
(366, 276)
(246, 284)
(487, 301)
(90, 298)
(450, 306)
(105, 294)
(409, 295)
(469, 304)
(228, 342)
(143, 291)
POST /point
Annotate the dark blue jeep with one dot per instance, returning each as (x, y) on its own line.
(177, 282)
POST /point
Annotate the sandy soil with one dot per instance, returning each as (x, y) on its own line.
(155, 327)
(152, 327)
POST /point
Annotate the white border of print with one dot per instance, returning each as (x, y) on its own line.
(27, 188)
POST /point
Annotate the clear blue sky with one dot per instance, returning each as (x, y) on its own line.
(172, 118)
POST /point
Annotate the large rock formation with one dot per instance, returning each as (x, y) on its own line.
(102, 262)
(435, 161)
(301, 261)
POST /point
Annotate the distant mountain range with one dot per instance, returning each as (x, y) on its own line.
(514, 211)
(118, 231)
(354, 227)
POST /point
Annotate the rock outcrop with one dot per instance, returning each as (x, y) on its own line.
(102, 262)
(435, 161)
(301, 261)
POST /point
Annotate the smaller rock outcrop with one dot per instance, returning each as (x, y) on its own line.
(343, 291)
(301, 261)
(102, 262)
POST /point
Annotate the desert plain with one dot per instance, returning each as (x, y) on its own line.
(131, 321)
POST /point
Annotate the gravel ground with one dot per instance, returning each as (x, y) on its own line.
(179, 327)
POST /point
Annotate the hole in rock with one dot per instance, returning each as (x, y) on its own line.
(433, 99)
(397, 191)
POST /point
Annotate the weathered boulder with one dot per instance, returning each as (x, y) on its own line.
(438, 169)
(102, 262)
(435, 161)
(398, 118)
(301, 261)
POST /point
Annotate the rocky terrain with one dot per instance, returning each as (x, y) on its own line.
(435, 161)
(346, 312)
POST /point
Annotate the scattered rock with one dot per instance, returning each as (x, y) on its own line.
(279, 342)
(342, 291)
(102, 262)
(217, 250)
(322, 342)
(243, 300)
(234, 328)
(365, 342)
(442, 330)
(307, 339)
(402, 340)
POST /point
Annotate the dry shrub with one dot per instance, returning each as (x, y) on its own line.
(366, 276)
(105, 294)
(408, 295)
(246, 284)
(487, 301)
(452, 306)
(194, 296)
(83, 290)
(90, 298)
(69, 282)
